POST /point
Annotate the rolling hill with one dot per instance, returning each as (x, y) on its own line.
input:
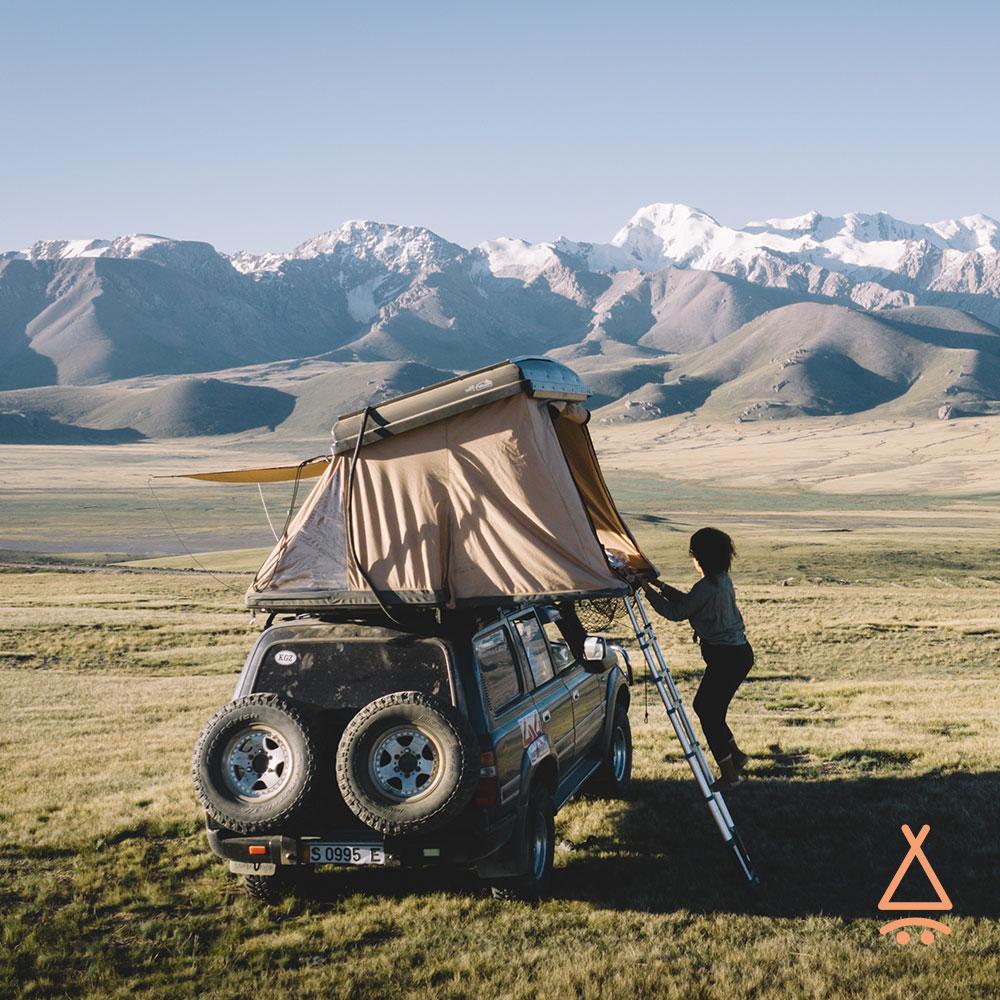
(812, 359)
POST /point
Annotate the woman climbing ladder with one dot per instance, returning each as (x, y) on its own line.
(718, 626)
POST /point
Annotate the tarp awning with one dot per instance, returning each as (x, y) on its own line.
(309, 469)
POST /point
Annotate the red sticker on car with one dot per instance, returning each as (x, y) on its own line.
(531, 728)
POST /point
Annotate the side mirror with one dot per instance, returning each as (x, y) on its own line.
(595, 652)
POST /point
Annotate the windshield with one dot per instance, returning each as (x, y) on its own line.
(349, 673)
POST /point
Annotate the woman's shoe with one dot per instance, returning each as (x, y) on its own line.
(740, 759)
(728, 775)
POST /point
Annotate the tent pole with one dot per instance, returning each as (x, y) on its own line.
(646, 637)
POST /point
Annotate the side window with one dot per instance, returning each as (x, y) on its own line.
(562, 655)
(533, 640)
(499, 672)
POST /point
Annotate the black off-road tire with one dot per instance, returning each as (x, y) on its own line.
(241, 814)
(272, 889)
(455, 763)
(266, 889)
(614, 778)
(534, 851)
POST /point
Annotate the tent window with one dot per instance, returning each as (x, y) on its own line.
(498, 670)
(535, 648)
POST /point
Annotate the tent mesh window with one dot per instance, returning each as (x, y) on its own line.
(600, 614)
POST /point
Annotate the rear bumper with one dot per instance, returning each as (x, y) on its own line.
(464, 847)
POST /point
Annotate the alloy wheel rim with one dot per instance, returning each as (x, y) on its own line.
(405, 763)
(257, 763)
(619, 754)
(540, 846)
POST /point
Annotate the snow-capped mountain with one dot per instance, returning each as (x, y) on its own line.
(398, 248)
(676, 234)
(670, 284)
(874, 260)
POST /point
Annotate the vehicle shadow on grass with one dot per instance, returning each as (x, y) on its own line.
(333, 886)
(827, 846)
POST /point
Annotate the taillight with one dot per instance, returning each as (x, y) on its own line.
(486, 790)
(257, 849)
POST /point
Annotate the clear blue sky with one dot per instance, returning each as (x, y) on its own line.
(256, 125)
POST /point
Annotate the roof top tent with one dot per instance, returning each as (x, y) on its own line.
(481, 490)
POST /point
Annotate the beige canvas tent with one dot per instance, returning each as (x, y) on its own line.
(484, 489)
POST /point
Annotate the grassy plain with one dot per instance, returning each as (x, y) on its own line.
(872, 704)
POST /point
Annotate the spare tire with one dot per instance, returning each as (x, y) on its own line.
(407, 763)
(255, 764)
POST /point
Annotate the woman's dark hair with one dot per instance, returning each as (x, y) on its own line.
(713, 549)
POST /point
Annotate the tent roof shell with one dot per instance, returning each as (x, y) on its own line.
(541, 378)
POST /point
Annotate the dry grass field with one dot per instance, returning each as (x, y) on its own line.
(873, 703)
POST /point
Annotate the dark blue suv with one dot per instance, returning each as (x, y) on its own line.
(448, 745)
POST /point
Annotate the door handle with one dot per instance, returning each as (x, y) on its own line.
(576, 696)
(546, 716)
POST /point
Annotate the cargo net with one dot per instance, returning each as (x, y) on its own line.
(601, 614)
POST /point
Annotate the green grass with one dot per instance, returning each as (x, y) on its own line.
(873, 703)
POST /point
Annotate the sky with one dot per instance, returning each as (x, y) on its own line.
(257, 125)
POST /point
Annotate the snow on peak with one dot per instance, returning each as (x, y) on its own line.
(971, 232)
(798, 225)
(508, 257)
(406, 248)
(134, 245)
(669, 234)
(64, 249)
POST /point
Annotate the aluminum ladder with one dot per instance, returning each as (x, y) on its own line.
(693, 754)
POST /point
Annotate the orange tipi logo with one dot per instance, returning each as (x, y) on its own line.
(943, 902)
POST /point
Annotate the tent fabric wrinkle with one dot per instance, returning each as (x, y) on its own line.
(399, 499)
(318, 563)
(519, 524)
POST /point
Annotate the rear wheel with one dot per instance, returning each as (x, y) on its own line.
(615, 775)
(272, 889)
(534, 852)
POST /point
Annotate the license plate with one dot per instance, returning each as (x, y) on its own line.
(252, 867)
(346, 854)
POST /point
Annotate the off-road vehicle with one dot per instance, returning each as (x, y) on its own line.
(454, 744)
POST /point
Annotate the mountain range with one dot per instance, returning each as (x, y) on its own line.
(144, 336)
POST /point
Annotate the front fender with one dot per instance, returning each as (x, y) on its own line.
(617, 688)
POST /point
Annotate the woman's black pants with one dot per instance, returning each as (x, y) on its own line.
(726, 668)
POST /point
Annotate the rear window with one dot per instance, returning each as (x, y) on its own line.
(351, 673)
(499, 673)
